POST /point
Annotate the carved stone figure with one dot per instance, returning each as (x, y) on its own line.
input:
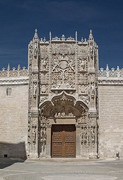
(34, 88)
(34, 134)
(92, 95)
(62, 88)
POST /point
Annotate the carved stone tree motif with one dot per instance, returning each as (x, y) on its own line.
(63, 67)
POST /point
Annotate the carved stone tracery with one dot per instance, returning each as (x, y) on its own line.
(63, 70)
(62, 85)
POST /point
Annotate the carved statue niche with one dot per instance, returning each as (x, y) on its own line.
(91, 78)
(34, 89)
(44, 62)
(92, 96)
(91, 52)
(92, 134)
(34, 134)
(83, 89)
(42, 135)
(30, 51)
(84, 136)
(35, 50)
(82, 62)
(43, 89)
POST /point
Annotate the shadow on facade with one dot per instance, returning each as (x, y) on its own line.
(11, 153)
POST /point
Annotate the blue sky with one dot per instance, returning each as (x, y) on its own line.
(19, 18)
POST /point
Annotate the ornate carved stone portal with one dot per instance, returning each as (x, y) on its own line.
(63, 90)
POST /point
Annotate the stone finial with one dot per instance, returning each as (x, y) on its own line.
(91, 35)
(118, 72)
(18, 67)
(113, 69)
(101, 69)
(23, 68)
(8, 68)
(3, 69)
(82, 39)
(70, 39)
(107, 68)
(13, 69)
(118, 68)
(63, 37)
(36, 34)
(76, 36)
(107, 71)
(50, 36)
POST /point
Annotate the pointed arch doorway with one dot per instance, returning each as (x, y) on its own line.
(61, 128)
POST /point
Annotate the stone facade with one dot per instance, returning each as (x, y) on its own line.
(13, 112)
(110, 91)
(62, 86)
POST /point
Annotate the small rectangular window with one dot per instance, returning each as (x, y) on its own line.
(5, 155)
(8, 91)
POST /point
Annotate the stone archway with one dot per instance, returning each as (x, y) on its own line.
(65, 110)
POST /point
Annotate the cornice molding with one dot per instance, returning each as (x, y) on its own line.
(110, 81)
(14, 81)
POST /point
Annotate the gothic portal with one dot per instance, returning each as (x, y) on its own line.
(63, 103)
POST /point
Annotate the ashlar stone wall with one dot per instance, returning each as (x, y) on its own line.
(13, 116)
(110, 92)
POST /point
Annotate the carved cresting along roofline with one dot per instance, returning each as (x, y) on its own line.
(14, 77)
(110, 76)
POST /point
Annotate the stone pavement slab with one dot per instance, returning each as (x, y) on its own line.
(61, 169)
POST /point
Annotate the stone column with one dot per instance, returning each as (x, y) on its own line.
(93, 150)
(78, 141)
(33, 136)
(48, 141)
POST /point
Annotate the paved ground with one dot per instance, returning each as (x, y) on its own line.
(61, 169)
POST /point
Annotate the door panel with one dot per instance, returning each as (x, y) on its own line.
(63, 141)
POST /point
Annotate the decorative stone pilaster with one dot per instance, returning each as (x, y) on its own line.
(33, 122)
(93, 135)
(78, 141)
(33, 136)
(48, 142)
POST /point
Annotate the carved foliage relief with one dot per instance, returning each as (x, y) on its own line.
(63, 66)
(44, 69)
(82, 61)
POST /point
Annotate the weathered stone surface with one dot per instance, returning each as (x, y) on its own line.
(110, 120)
(13, 120)
(62, 85)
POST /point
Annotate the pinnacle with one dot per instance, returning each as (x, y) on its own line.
(36, 34)
(91, 35)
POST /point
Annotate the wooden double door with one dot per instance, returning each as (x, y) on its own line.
(63, 141)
